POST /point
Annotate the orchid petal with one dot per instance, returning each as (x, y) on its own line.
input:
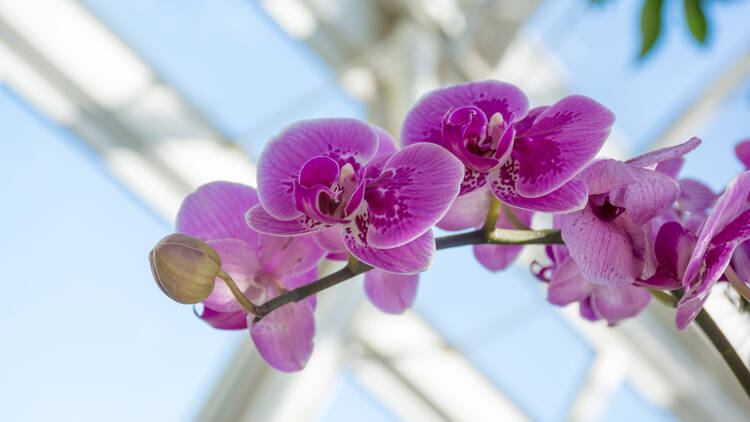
(499, 257)
(241, 262)
(695, 196)
(664, 154)
(523, 125)
(617, 303)
(741, 261)
(567, 285)
(423, 123)
(259, 219)
(299, 280)
(738, 230)
(282, 256)
(411, 258)
(217, 211)
(222, 320)
(725, 210)
(743, 153)
(661, 280)
(587, 310)
(673, 246)
(610, 253)
(284, 338)
(716, 261)
(467, 211)
(330, 240)
(562, 139)
(417, 186)
(671, 167)
(570, 197)
(648, 196)
(605, 175)
(391, 293)
(344, 140)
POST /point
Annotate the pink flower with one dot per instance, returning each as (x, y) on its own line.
(346, 176)
(596, 301)
(527, 158)
(610, 238)
(262, 266)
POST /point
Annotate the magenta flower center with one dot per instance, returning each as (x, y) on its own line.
(478, 143)
(327, 191)
(603, 209)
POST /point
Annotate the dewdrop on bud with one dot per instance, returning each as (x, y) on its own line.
(185, 268)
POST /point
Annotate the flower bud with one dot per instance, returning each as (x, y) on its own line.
(185, 268)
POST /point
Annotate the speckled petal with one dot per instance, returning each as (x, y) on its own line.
(259, 219)
(344, 140)
(560, 142)
(417, 186)
(570, 197)
(411, 258)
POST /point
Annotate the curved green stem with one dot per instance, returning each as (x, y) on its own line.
(244, 301)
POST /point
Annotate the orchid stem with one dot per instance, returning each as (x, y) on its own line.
(492, 214)
(737, 283)
(725, 349)
(355, 267)
(717, 338)
(244, 301)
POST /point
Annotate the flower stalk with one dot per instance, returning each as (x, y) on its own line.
(355, 267)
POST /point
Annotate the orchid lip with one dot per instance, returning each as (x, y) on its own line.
(328, 192)
(480, 143)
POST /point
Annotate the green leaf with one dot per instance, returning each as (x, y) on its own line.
(650, 24)
(696, 20)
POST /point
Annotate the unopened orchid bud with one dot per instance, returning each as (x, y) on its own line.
(185, 268)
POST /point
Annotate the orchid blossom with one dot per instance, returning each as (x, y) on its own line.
(609, 239)
(345, 175)
(262, 267)
(527, 158)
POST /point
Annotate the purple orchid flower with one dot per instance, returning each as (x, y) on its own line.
(596, 301)
(346, 175)
(726, 227)
(262, 266)
(610, 239)
(527, 158)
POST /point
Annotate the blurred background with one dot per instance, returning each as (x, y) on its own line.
(112, 111)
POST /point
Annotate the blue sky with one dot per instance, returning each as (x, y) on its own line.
(87, 329)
